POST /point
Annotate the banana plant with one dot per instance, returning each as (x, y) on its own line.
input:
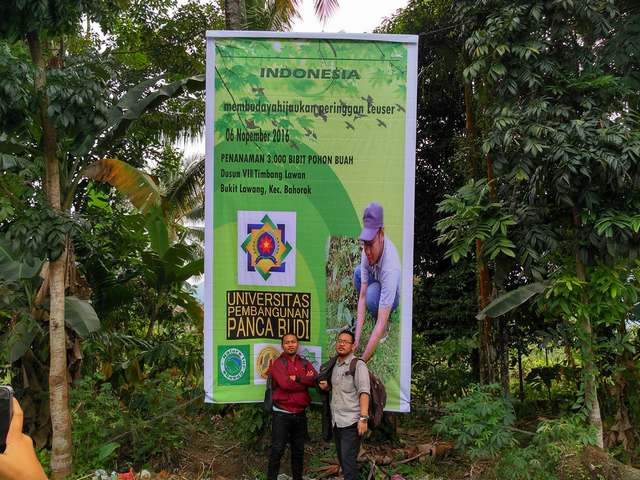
(512, 300)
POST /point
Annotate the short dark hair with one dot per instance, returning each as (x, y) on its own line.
(346, 331)
(288, 335)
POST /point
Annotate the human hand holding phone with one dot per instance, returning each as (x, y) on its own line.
(19, 460)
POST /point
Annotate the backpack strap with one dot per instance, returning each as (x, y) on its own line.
(352, 366)
(326, 369)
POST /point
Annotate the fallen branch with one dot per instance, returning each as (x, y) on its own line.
(410, 459)
(324, 472)
(232, 447)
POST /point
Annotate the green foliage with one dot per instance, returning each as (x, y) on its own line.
(55, 17)
(97, 418)
(511, 300)
(441, 371)
(12, 269)
(607, 298)
(80, 316)
(157, 424)
(445, 304)
(39, 231)
(108, 433)
(15, 87)
(557, 125)
(540, 459)
(250, 422)
(472, 216)
(19, 337)
(139, 100)
(479, 423)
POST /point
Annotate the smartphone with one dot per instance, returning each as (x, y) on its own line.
(6, 412)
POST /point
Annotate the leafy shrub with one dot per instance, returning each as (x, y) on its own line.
(480, 422)
(249, 424)
(157, 423)
(540, 459)
(97, 418)
(106, 431)
(441, 370)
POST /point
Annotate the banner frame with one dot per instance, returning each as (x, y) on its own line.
(411, 42)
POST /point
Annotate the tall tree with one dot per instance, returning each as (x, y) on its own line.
(70, 128)
(562, 134)
(38, 25)
(447, 154)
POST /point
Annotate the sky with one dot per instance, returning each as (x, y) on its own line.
(351, 16)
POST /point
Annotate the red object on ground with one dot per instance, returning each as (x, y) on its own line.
(130, 475)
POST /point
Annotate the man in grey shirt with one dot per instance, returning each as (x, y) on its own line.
(349, 404)
(377, 278)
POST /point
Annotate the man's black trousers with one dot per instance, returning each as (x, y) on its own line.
(287, 428)
(347, 447)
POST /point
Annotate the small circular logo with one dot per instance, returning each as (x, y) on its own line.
(233, 364)
(264, 359)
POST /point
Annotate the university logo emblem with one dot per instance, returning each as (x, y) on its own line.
(266, 247)
(266, 243)
(233, 366)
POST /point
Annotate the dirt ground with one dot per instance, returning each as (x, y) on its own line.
(213, 453)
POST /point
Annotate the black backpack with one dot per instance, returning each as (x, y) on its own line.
(377, 396)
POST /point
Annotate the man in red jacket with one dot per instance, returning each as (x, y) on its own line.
(292, 376)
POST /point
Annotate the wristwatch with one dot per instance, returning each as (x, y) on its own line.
(364, 418)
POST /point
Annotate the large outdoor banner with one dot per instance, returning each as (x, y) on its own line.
(309, 195)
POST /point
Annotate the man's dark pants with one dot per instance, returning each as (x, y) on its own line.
(292, 428)
(347, 447)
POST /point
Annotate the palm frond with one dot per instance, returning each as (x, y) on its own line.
(275, 15)
(325, 8)
(196, 214)
(187, 191)
(194, 233)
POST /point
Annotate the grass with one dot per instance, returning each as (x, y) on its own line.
(342, 299)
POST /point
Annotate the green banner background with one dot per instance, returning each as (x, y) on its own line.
(372, 77)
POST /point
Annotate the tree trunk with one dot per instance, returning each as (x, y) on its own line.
(589, 377)
(597, 463)
(488, 355)
(470, 129)
(61, 451)
(235, 15)
(153, 315)
(486, 349)
(589, 368)
(503, 356)
(622, 431)
(569, 356)
(520, 376)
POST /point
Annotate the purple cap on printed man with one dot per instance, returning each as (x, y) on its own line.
(372, 221)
